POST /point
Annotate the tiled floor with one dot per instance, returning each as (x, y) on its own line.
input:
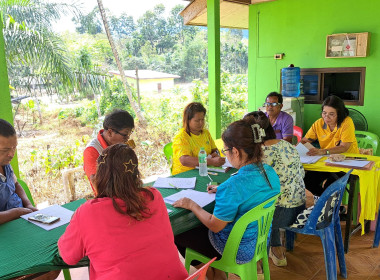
(307, 261)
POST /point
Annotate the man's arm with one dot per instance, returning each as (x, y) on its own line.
(24, 198)
(12, 214)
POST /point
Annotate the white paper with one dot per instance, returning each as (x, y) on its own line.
(201, 198)
(227, 163)
(349, 163)
(169, 210)
(54, 210)
(175, 183)
(302, 150)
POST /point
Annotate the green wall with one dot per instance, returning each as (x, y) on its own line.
(5, 98)
(299, 28)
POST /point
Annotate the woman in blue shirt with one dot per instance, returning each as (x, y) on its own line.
(254, 183)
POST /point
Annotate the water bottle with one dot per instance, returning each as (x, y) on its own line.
(202, 157)
(290, 77)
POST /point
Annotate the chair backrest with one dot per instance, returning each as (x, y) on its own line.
(367, 140)
(329, 202)
(168, 151)
(200, 274)
(263, 215)
(298, 132)
(26, 190)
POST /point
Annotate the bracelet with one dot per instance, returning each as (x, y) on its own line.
(327, 152)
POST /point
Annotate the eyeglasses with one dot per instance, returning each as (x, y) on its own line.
(225, 150)
(330, 115)
(274, 104)
(122, 134)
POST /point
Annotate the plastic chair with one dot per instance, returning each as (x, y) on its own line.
(329, 230)
(200, 274)
(66, 272)
(298, 132)
(227, 263)
(367, 140)
(168, 151)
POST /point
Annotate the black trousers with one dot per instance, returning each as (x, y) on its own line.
(196, 239)
(314, 180)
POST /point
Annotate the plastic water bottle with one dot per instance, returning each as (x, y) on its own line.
(202, 157)
(290, 77)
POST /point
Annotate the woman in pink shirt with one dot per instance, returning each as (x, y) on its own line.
(125, 231)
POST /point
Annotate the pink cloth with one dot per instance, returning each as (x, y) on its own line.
(120, 247)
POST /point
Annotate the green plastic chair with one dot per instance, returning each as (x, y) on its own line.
(168, 151)
(367, 140)
(66, 272)
(227, 263)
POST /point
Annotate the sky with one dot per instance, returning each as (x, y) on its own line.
(135, 8)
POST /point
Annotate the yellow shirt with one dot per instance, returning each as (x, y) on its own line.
(328, 139)
(185, 145)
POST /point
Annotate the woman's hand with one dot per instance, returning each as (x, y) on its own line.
(212, 188)
(31, 207)
(185, 203)
(316, 152)
(216, 161)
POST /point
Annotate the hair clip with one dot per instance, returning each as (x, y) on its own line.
(130, 166)
(258, 133)
(102, 159)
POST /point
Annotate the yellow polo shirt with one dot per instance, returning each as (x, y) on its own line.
(328, 139)
(189, 145)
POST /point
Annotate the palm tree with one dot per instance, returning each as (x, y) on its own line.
(135, 107)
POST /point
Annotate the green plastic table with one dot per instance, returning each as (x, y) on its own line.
(26, 248)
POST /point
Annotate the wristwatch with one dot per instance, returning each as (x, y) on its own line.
(327, 152)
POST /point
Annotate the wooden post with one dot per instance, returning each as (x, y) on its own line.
(5, 96)
(138, 87)
(252, 55)
(213, 34)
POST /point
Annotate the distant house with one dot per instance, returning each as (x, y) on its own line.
(149, 81)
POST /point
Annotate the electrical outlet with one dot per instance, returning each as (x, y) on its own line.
(279, 55)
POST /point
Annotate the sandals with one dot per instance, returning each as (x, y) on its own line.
(277, 261)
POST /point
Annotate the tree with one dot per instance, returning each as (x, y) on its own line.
(120, 67)
(89, 23)
(122, 26)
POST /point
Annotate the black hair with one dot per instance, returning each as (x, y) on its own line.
(189, 112)
(118, 120)
(275, 94)
(261, 119)
(6, 129)
(338, 104)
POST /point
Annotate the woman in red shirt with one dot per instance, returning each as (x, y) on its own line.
(125, 231)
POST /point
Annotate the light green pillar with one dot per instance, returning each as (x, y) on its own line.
(5, 97)
(252, 58)
(213, 33)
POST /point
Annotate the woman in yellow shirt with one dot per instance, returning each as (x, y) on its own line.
(189, 140)
(335, 132)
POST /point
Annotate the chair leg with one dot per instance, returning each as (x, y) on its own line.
(377, 232)
(340, 249)
(290, 236)
(266, 270)
(327, 238)
(66, 274)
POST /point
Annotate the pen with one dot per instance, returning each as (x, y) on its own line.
(209, 177)
(357, 158)
(212, 173)
(174, 186)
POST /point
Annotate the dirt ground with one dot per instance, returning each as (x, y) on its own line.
(56, 135)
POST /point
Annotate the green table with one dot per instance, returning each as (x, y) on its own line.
(26, 248)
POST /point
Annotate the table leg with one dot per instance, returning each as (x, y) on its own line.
(351, 192)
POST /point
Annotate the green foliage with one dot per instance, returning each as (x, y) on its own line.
(89, 23)
(53, 161)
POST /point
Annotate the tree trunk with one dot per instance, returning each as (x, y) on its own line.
(135, 107)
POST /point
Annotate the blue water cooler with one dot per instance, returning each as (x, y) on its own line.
(290, 77)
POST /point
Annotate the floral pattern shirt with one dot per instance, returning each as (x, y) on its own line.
(285, 160)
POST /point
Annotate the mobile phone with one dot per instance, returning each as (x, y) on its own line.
(45, 219)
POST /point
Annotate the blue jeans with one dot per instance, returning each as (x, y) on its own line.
(283, 217)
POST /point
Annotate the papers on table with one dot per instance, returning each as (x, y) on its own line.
(349, 163)
(302, 150)
(227, 163)
(221, 169)
(54, 210)
(201, 198)
(175, 183)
